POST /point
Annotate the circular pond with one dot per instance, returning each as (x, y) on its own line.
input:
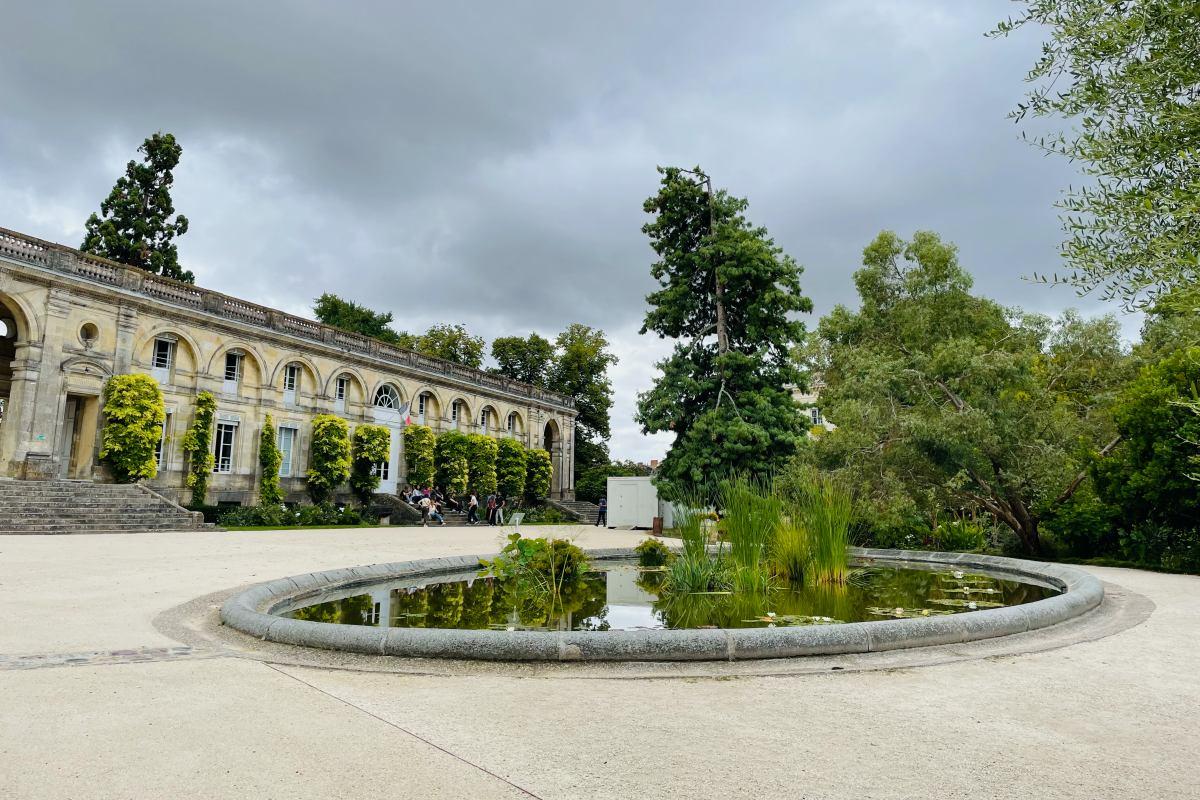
(438, 608)
(621, 596)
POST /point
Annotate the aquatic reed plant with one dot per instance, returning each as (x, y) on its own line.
(790, 553)
(825, 510)
(752, 515)
(696, 570)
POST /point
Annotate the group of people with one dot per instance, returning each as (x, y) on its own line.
(431, 501)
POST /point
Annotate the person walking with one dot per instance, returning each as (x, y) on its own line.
(500, 505)
(472, 509)
(602, 514)
(491, 509)
(424, 504)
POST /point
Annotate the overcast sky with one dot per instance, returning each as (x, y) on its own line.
(487, 162)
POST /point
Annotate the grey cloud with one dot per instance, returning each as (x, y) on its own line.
(487, 162)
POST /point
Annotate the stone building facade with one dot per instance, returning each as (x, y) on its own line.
(69, 320)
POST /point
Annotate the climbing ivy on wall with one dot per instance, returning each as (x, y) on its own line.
(510, 468)
(329, 461)
(269, 458)
(538, 473)
(481, 463)
(371, 445)
(418, 454)
(133, 420)
(197, 446)
(451, 455)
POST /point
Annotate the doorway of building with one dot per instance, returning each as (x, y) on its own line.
(78, 441)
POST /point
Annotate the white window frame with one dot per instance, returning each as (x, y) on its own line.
(291, 377)
(388, 391)
(161, 372)
(230, 385)
(421, 404)
(483, 419)
(454, 412)
(814, 414)
(287, 463)
(512, 422)
(224, 465)
(162, 454)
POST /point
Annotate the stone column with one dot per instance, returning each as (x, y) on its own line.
(45, 411)
(127, 321)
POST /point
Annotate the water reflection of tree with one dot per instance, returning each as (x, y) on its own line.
(347, 611)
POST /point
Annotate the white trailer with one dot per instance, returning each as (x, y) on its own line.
(632, 503)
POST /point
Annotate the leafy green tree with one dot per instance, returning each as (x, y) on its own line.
(528, 360)
(452, 459)
(729, 297)
(418, 454)
(956, 402)
(538, 474)
(481, 463)
(350, 316)
(370, 446)
(197, 447)
(452, 343)
(1151, 476)
(133, 420)
(134, 225)
(593, 483)
(269, 458)
(581, 372)
(510, 468)
(1125, 75)
(329, 458)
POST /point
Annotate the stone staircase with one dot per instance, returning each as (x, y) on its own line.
(64, 507)
(579, 510)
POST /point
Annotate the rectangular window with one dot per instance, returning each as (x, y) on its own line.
(286, 439)
(815, 413)
(454, 411)
(511, 424)
(291, 377)
(341, 388)
(223, 447)
(164, 353)
(161, 447)
(233, 366)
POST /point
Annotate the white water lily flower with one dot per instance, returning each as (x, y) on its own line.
(972, 606)
(770, 613)
(958, 574)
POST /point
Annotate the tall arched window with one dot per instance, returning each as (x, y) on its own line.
(386, 397)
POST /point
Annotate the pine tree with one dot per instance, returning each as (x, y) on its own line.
(135, 225)
(729, 297)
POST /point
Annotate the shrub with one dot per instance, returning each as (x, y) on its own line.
(481, 463)
(538, 473)
(269, 458)
(329, 461)
(559, 561)
(452, 460)
(653, 553)
(133, 420)
(418, 454)
(960, 536)
(197, 446)
(1160, 545)
(510, 468)
(372, 444)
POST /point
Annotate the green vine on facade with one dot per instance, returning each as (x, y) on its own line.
(269, 458)
(133, 416)
(481, 463)
(371, 445)
(329, 462)
(539, 472)
(452, 456)
(197, 447)
(510, 468)
(418, 454)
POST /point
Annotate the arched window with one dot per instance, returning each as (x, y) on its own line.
(512, 422)
(454, 412)
(386, 397)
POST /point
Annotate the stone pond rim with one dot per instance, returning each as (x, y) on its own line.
(251, 612)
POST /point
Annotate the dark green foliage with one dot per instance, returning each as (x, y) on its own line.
(528, 360)
(510, 468)
(481, 463)
(452, 343)
(197, 447)
(135, 226)
(350, 316)
(592, 484)
(133, 420)
(452, 457)
(1124, 75)
(731, 410)
(960, 536)
(329, 457)
(280, 517)
(269, 458)
(419, 455)
(370, 446)
(653, 553)
(538, 473)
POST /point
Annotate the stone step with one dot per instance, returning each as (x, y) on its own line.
(63, 507)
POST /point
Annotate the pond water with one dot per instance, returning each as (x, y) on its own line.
(622, 596)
